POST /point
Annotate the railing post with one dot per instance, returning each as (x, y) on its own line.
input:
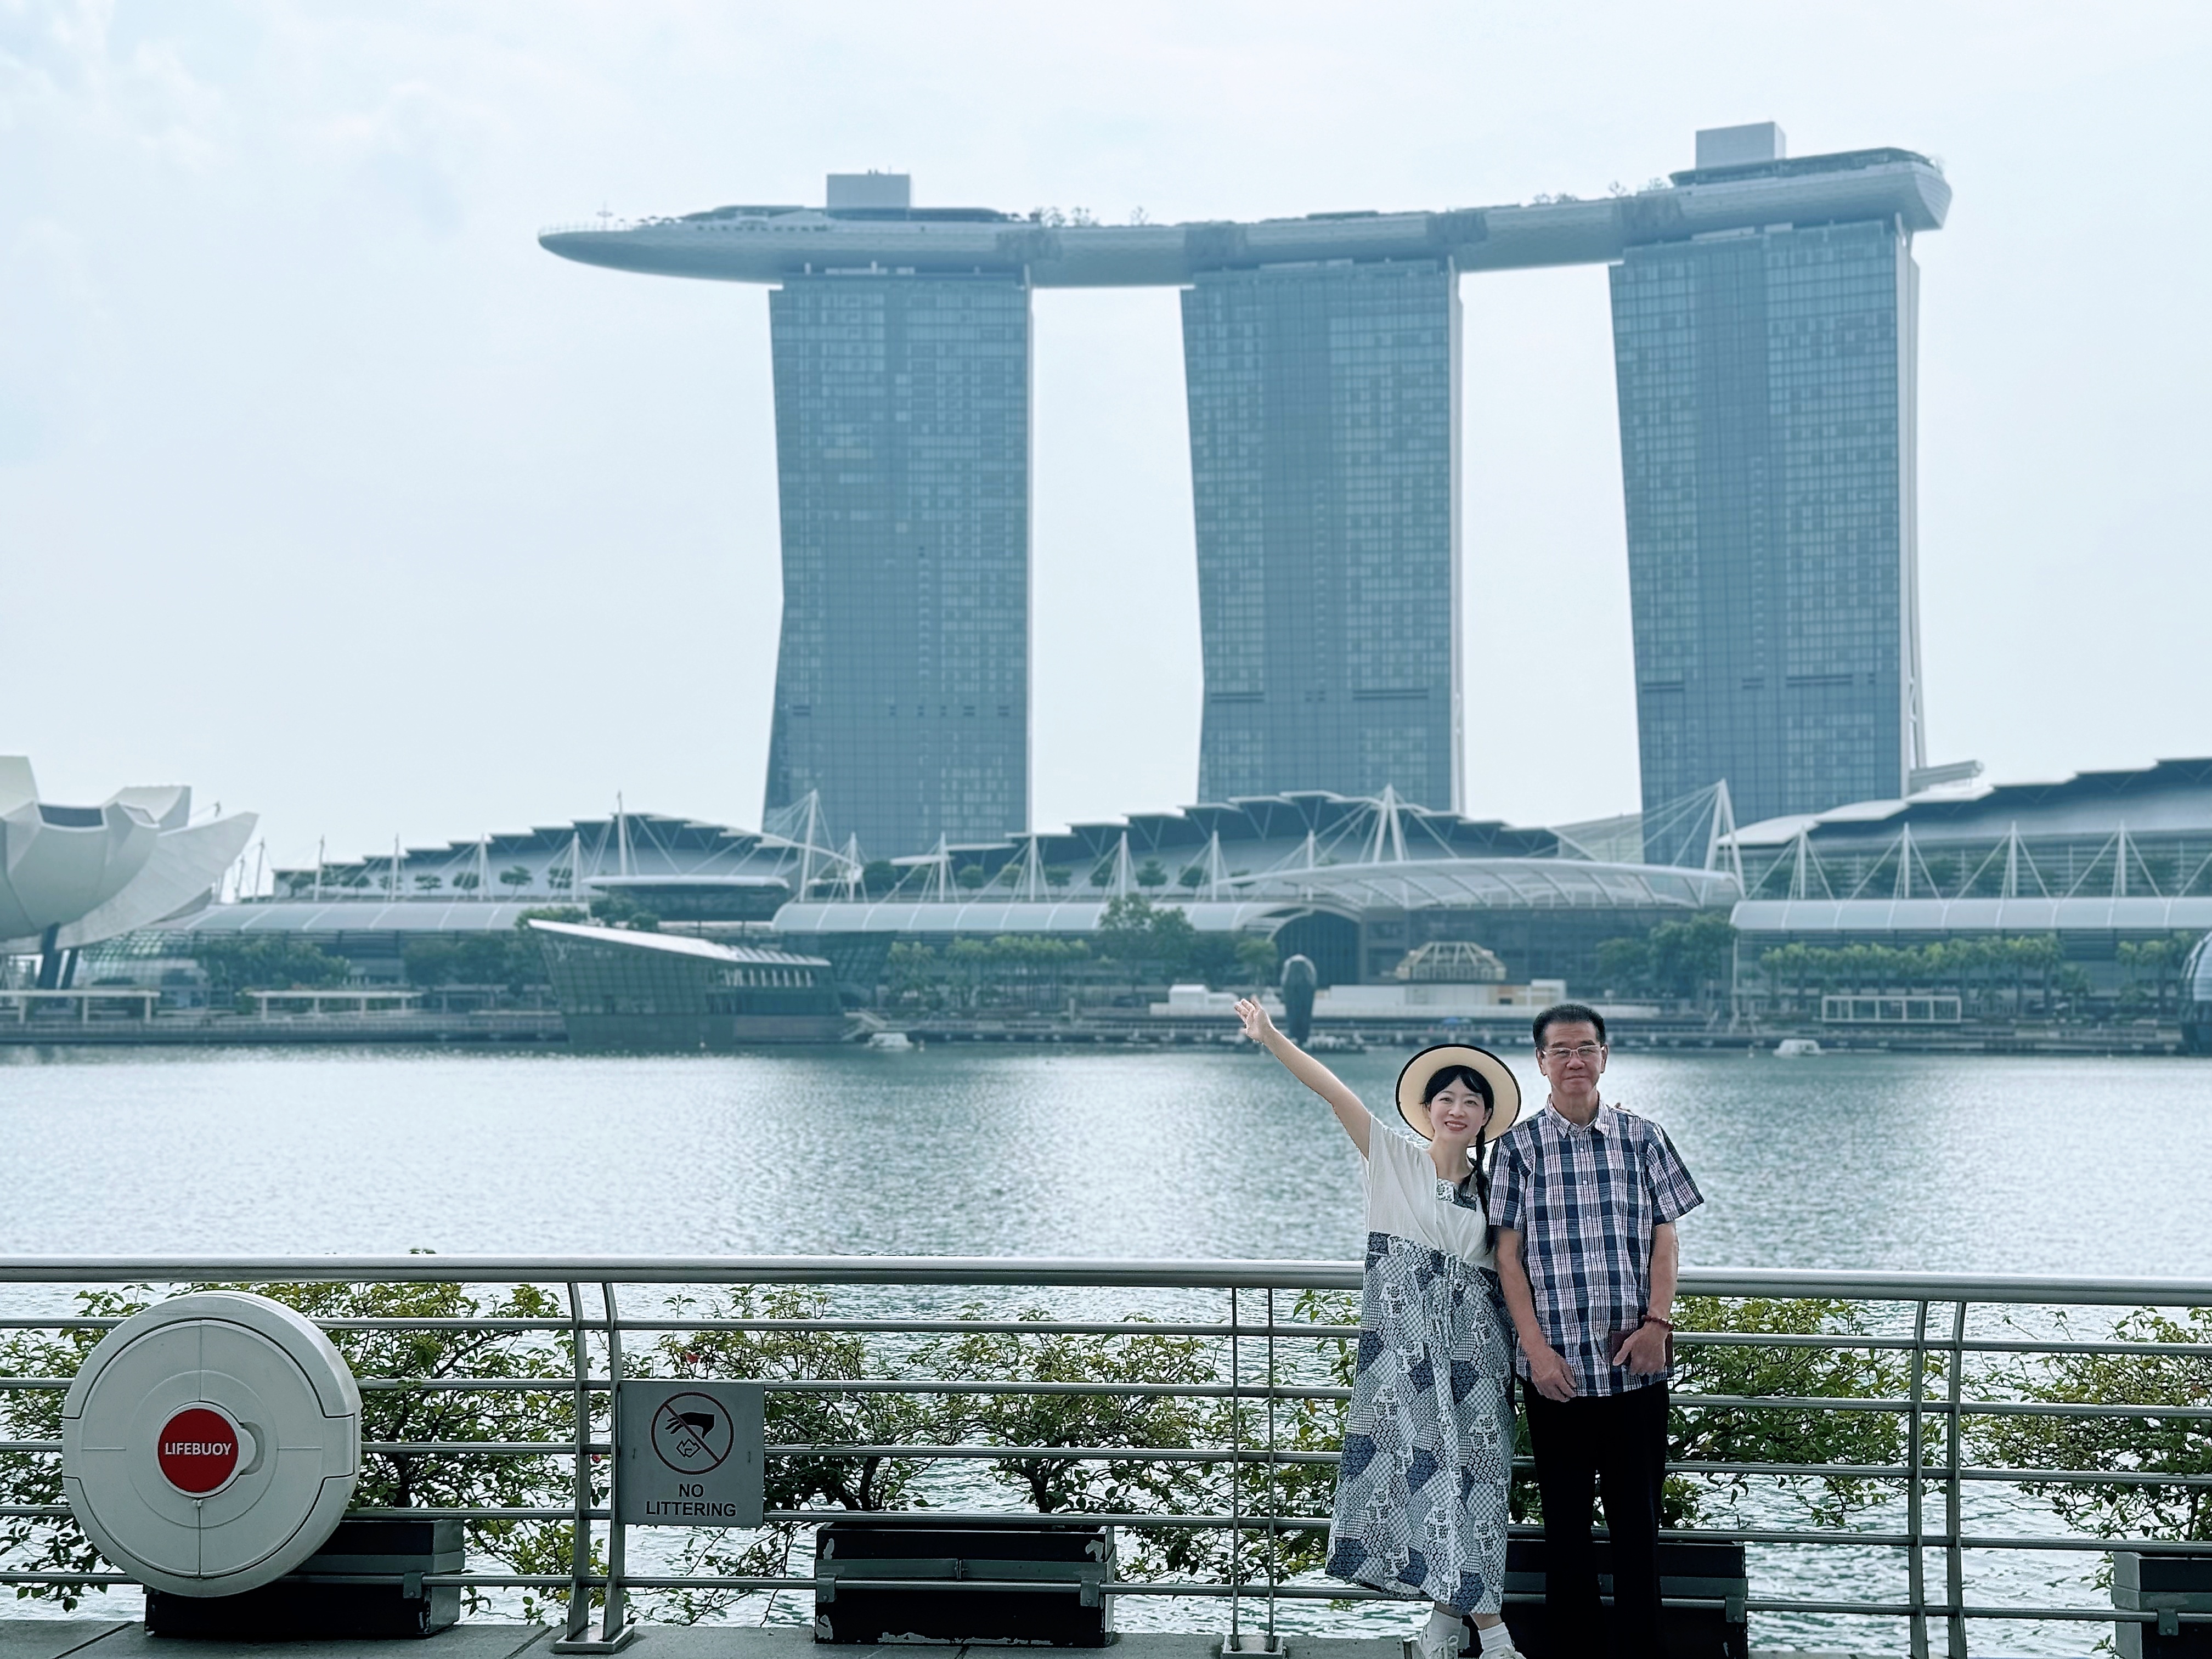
(580, 1551)
(1236, 1480)
(615, 1626)
(1954, 1563)
(1915, 1436)
(1275, 1488)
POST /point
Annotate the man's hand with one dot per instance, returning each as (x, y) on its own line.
(1645, 1352)
(1549, 1373)
(1256, 1023)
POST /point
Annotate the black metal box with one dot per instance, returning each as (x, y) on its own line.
(1713, 1573)
(324, 1600)
(2171, 1584)
(878, 1581)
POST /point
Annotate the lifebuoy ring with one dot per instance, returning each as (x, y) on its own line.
(211, 1443)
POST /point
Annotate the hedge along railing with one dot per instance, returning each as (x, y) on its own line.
(1134, 1421)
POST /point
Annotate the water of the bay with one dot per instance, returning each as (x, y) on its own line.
(1945, 1164)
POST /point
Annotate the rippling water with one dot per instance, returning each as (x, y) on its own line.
(1875, 1161)
(1947, 1164)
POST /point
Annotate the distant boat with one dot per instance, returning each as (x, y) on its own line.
(1796, 1048)
(891, 1042)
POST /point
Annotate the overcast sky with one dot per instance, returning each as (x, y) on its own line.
(325, 490)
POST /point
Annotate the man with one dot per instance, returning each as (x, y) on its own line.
(1585, 1196)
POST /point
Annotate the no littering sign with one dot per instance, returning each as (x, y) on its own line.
(688, 1454)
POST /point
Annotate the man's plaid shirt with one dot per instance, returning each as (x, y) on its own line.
(1585, 1199)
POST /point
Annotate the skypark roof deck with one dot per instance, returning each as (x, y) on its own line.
(769, 243)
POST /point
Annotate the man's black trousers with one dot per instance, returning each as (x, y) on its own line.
(1619, 1442)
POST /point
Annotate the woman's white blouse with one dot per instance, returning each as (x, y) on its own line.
(1405, 1199)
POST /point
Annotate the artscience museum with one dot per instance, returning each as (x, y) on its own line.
(72, 876)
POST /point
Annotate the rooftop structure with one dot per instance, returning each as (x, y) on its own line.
(1768, 471)
(681, 869)
(2109, 853)
(1353, 884)
(772, 243)
(73, 876)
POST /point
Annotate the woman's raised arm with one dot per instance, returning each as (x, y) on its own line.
(1350, 1111)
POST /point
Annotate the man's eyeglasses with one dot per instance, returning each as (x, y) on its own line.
(1583, 1051)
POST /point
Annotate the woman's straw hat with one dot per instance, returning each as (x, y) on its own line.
(1413, 1082)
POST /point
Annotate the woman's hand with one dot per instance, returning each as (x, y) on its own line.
(1257, 1025)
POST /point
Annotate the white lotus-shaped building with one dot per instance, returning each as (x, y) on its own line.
(71, 876)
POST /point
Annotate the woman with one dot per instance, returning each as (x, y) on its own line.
(1428, 1445)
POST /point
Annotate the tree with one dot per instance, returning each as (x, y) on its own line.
(970, 876)
(1056, 875)
(1125, 928)
(1193, 876)
(1258, 958)
(2132, 1448)
(269, 961)
(428, 883)
(1151, 875)
(1691, 959)
(620, 910)
(1133, 931)
(467, 881)
(878, 877)
(1173, 940)
(1624, 965)
(516, 875)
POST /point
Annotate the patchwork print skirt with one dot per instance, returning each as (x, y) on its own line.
(1428, 1445)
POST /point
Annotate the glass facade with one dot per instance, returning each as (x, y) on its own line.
(1324, 475)
(1766, 432)
(623, 991)
(903, 444)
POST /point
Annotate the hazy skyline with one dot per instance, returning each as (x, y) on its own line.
(325, 490)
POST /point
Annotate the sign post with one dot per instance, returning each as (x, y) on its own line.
(688, 1454)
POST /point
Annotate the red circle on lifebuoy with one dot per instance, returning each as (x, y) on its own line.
(197, 1451)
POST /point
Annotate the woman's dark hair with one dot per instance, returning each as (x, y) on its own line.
(1476, 1178)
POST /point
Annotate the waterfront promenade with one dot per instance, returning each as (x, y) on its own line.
(1192, 1407)
(89, 1639)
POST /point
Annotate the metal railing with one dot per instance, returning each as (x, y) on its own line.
(1271, 1364)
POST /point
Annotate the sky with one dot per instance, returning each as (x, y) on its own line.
(325, 490)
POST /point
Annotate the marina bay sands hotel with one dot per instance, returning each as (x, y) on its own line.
(1765, 317)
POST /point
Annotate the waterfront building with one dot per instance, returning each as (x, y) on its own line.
(1356, 885)
(373, 910)
(1321, 362)
(1766, 400)
(2196, 1008)
(75, 876)
(1324, 462)
(901, 680)
(649, 992)
(2114, 866)
(1361, 886)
